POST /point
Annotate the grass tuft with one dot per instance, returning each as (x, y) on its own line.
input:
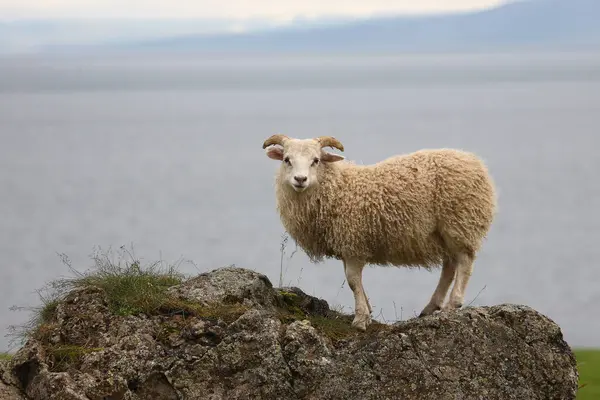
(64, 357)
(132, 289)
(40, 316)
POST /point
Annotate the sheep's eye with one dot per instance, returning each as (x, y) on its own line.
(315, 161)
(287, 161)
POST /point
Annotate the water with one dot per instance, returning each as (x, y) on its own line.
(165, 154)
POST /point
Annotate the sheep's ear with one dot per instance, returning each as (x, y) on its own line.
(276, 153)
(329, 157)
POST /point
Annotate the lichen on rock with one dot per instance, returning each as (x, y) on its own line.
(243, 339)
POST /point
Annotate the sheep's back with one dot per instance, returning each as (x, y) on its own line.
(401, 211)
(384, 213)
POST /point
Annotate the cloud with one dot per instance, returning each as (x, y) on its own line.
(236, 9)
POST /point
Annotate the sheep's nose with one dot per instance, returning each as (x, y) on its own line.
(300, 179)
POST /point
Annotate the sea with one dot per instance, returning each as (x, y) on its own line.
(161, 154)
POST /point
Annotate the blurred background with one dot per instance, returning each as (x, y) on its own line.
(141, 123)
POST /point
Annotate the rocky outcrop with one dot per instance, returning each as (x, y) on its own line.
(257, 342)
(9, 386)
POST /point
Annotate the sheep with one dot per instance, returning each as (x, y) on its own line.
(428, 208)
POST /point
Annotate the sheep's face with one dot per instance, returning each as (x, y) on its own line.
(301, 162)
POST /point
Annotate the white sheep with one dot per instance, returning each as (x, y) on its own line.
(422, 209)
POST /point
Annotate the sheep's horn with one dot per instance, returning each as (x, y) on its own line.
(331, 142)
(275, 139)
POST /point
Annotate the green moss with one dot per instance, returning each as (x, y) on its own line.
(335, 325)
(5, 356)
(64, 357)
(224, 311)
(340, 327)
(588, 364)
(334, 328)
(288, 296)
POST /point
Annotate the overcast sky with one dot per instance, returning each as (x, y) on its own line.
(238, 9)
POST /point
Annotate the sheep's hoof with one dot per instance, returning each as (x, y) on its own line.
(429, 310)
(361, 322)
(451, 307)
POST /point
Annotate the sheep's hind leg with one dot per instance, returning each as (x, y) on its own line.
(464, 270)
(368, 302)
(353, 270)
(438, 297)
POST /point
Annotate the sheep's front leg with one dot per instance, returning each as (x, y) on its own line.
(446, 278)
(363, 290)
(362, 311)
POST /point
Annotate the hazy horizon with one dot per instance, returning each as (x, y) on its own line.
(468, 26)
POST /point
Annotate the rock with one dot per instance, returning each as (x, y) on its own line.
(9, 385)
(284, 344)
(246, 364)
(308, 356)
(306, 304)
(228, 285)
(474, 353)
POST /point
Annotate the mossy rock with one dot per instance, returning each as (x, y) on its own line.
(295, 305)
(65, 357)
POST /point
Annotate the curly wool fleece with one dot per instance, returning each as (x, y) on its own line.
(412, 210)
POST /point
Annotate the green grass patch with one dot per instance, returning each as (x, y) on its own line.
(588, 364)
(5, 356)
(132, 289)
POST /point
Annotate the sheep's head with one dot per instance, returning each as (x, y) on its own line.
(302, 158)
